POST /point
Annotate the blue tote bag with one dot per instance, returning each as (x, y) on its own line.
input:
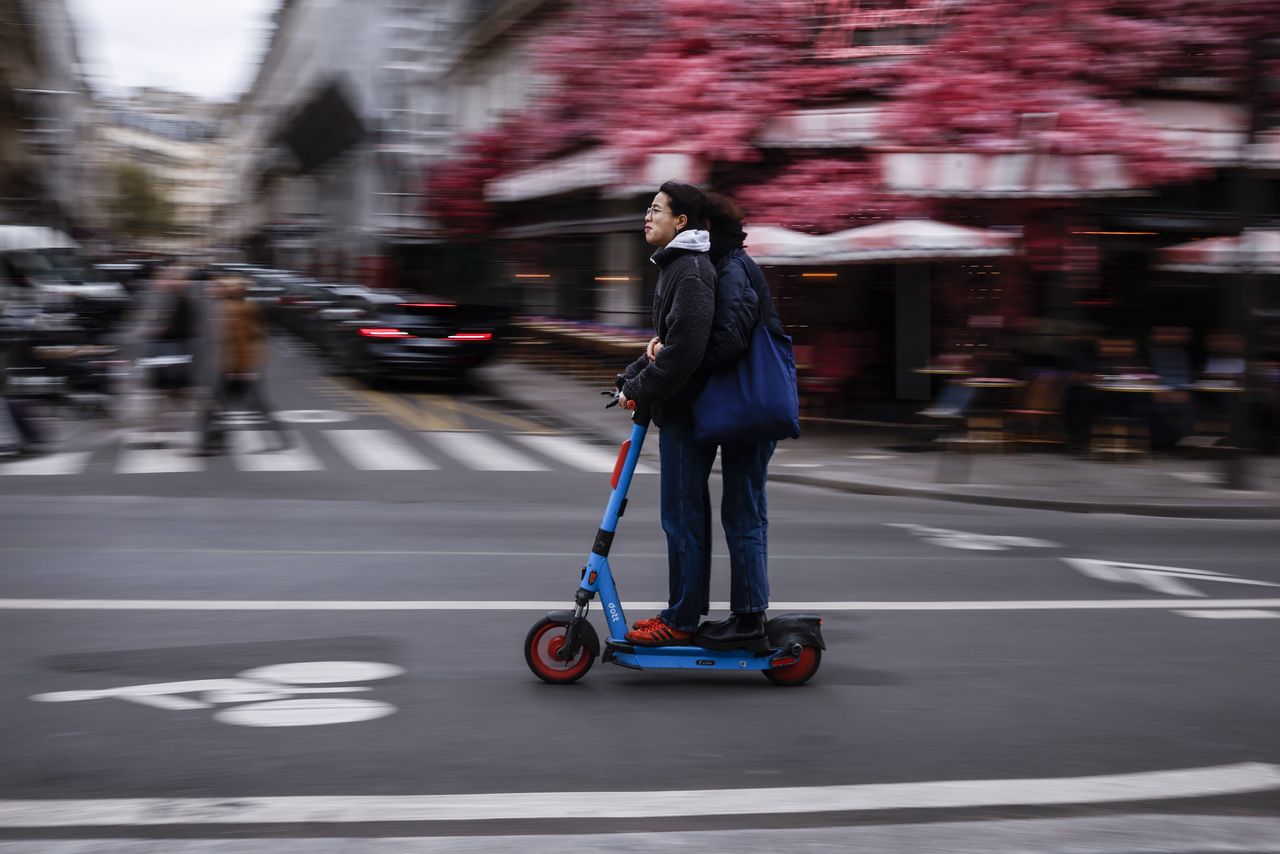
(755, 399)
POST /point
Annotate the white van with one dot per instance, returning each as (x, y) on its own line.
(42, 267)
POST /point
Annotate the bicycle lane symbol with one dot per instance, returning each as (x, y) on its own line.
(262, 696)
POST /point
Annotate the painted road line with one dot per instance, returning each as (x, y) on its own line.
(618, 554)
(440, 409)
(397, 410)
(173, 458)
(1234, 779)
(482, 452)
(511, 421)
(559, 604)
(67, 462)
(251, 451)
(1161, 579)
(1151, 834)
(578, 454)
(378, 450)
(1231, 614)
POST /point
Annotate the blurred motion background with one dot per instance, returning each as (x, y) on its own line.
(940, 191)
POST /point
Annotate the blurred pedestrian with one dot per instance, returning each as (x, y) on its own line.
(241, 339)
(1173, 412)
(173, 344)
(667, 386)
(18, 434)
(1224, 360)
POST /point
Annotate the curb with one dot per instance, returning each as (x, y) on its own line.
(1178, 511)
(869, 486)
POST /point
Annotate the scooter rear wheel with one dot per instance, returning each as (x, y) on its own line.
(799, 672)
(544, 640)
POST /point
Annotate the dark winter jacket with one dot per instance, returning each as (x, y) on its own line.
(180, 318)
(683, 305)
(740, 289)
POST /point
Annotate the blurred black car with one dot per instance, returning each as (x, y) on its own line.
(382, 335)
(302, 302)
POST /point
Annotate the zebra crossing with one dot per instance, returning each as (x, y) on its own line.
(366, 450)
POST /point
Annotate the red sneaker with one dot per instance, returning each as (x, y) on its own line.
(646, 622)
(658, 633)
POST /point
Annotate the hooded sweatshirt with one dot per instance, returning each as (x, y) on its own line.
(683, 306)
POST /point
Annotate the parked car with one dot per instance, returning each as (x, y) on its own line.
(131, 275)
(311, 325)
(382, 335)
(42, 266)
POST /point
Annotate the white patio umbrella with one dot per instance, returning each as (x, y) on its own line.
(1257, 250)
(898, 240)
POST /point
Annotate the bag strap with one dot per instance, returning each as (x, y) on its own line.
(755, 286)
(761, 286)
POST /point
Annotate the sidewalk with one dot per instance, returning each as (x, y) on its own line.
(882, 460)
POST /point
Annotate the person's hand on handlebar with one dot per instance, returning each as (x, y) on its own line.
(625, 402)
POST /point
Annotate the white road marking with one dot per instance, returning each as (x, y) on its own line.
(948, 538)
(1151, 834)
(482, 452)
(378, 450)
(577, 453)
(1161, 579)
(562, 604)
(251, 450)
(313, 416)
(310, 712)
(1231, 614)
(268, 693)
(69, 462)
(174, 458)
(1239, 778)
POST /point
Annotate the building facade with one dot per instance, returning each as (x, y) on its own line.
(45, 117)
(329, 144)
(173, 142)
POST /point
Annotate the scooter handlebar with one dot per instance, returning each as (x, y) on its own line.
(639, 415)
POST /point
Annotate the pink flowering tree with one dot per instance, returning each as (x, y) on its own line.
(704, 77)
(1071, 63)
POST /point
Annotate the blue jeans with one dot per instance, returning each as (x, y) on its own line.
(744, 512)
(686, 518)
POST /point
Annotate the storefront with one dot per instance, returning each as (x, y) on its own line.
(867, 307)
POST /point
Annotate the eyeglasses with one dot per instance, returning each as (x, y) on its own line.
(653, 211)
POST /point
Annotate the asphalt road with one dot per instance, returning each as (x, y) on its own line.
(995, 679)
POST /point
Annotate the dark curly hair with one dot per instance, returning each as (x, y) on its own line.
(688, 200)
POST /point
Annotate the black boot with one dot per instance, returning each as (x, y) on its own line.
(734, 632)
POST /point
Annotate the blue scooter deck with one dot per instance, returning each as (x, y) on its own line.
(686, 657)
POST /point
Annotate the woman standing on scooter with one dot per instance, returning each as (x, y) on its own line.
(667, 385)
(742, 296)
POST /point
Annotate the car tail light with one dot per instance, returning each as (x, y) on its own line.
(383, 332)
(471, 336)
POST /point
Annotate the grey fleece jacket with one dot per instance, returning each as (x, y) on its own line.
(683, 306)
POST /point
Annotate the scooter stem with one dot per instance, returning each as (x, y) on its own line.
(609, 522)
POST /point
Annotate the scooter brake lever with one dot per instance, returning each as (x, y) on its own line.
(613, 402)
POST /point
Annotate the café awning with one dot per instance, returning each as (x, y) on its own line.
(1008, 174)
(1257, 250)
(899, 240)
(599, 169)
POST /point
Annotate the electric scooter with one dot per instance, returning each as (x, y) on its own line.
(562, 646)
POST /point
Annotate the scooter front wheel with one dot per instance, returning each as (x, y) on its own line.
(543, 642)
(799, 671)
